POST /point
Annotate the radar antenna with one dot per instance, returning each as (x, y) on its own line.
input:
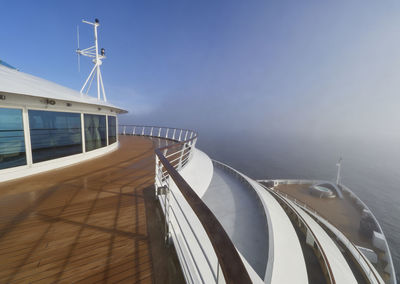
(93, 52)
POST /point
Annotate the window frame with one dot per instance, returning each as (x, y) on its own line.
(26, 143)
(83, 121)
(116, 130)
(28, 149)
(53, 110)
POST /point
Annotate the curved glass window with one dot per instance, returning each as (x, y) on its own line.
(95, 131)
(12, 141)
(54, 134)
(112, 129)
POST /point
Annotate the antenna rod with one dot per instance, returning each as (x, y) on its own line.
(98, 62)
(79, 56)
(339, 165)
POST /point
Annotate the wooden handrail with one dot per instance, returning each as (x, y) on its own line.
(229, 259)
(231, 264)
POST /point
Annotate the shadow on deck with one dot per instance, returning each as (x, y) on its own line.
(96, 221)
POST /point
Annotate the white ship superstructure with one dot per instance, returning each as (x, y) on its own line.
(73, 187)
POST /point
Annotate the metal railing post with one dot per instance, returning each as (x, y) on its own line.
(167, 238)
(165, 154)
(181, 157)
(180, 134)
(217, 272)
(164, 190)
(156, 176)
(183, 136)
(166, 206)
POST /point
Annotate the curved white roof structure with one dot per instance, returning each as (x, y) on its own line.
(288, 260)
(16, 82)
(45, 125)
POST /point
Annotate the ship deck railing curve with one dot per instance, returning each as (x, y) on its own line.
(242, 179)
(367, 267)
(325, 260)
(350, 246)
(203, 247)
(387, 250)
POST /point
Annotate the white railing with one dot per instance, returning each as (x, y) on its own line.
(387, 250)
(370, 272)
(198, 259)
(322, 258)
(183, 141)
(205, 251)
(175, 134)
(366, 266)
(344, 188)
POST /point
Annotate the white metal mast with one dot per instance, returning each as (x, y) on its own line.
(93, 52)
(339, 165)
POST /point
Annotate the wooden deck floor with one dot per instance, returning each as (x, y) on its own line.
(92, 222)
(342, 213)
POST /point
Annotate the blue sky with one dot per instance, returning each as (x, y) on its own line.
(282, 66)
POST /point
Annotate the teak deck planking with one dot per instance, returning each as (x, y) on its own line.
(84, 223)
